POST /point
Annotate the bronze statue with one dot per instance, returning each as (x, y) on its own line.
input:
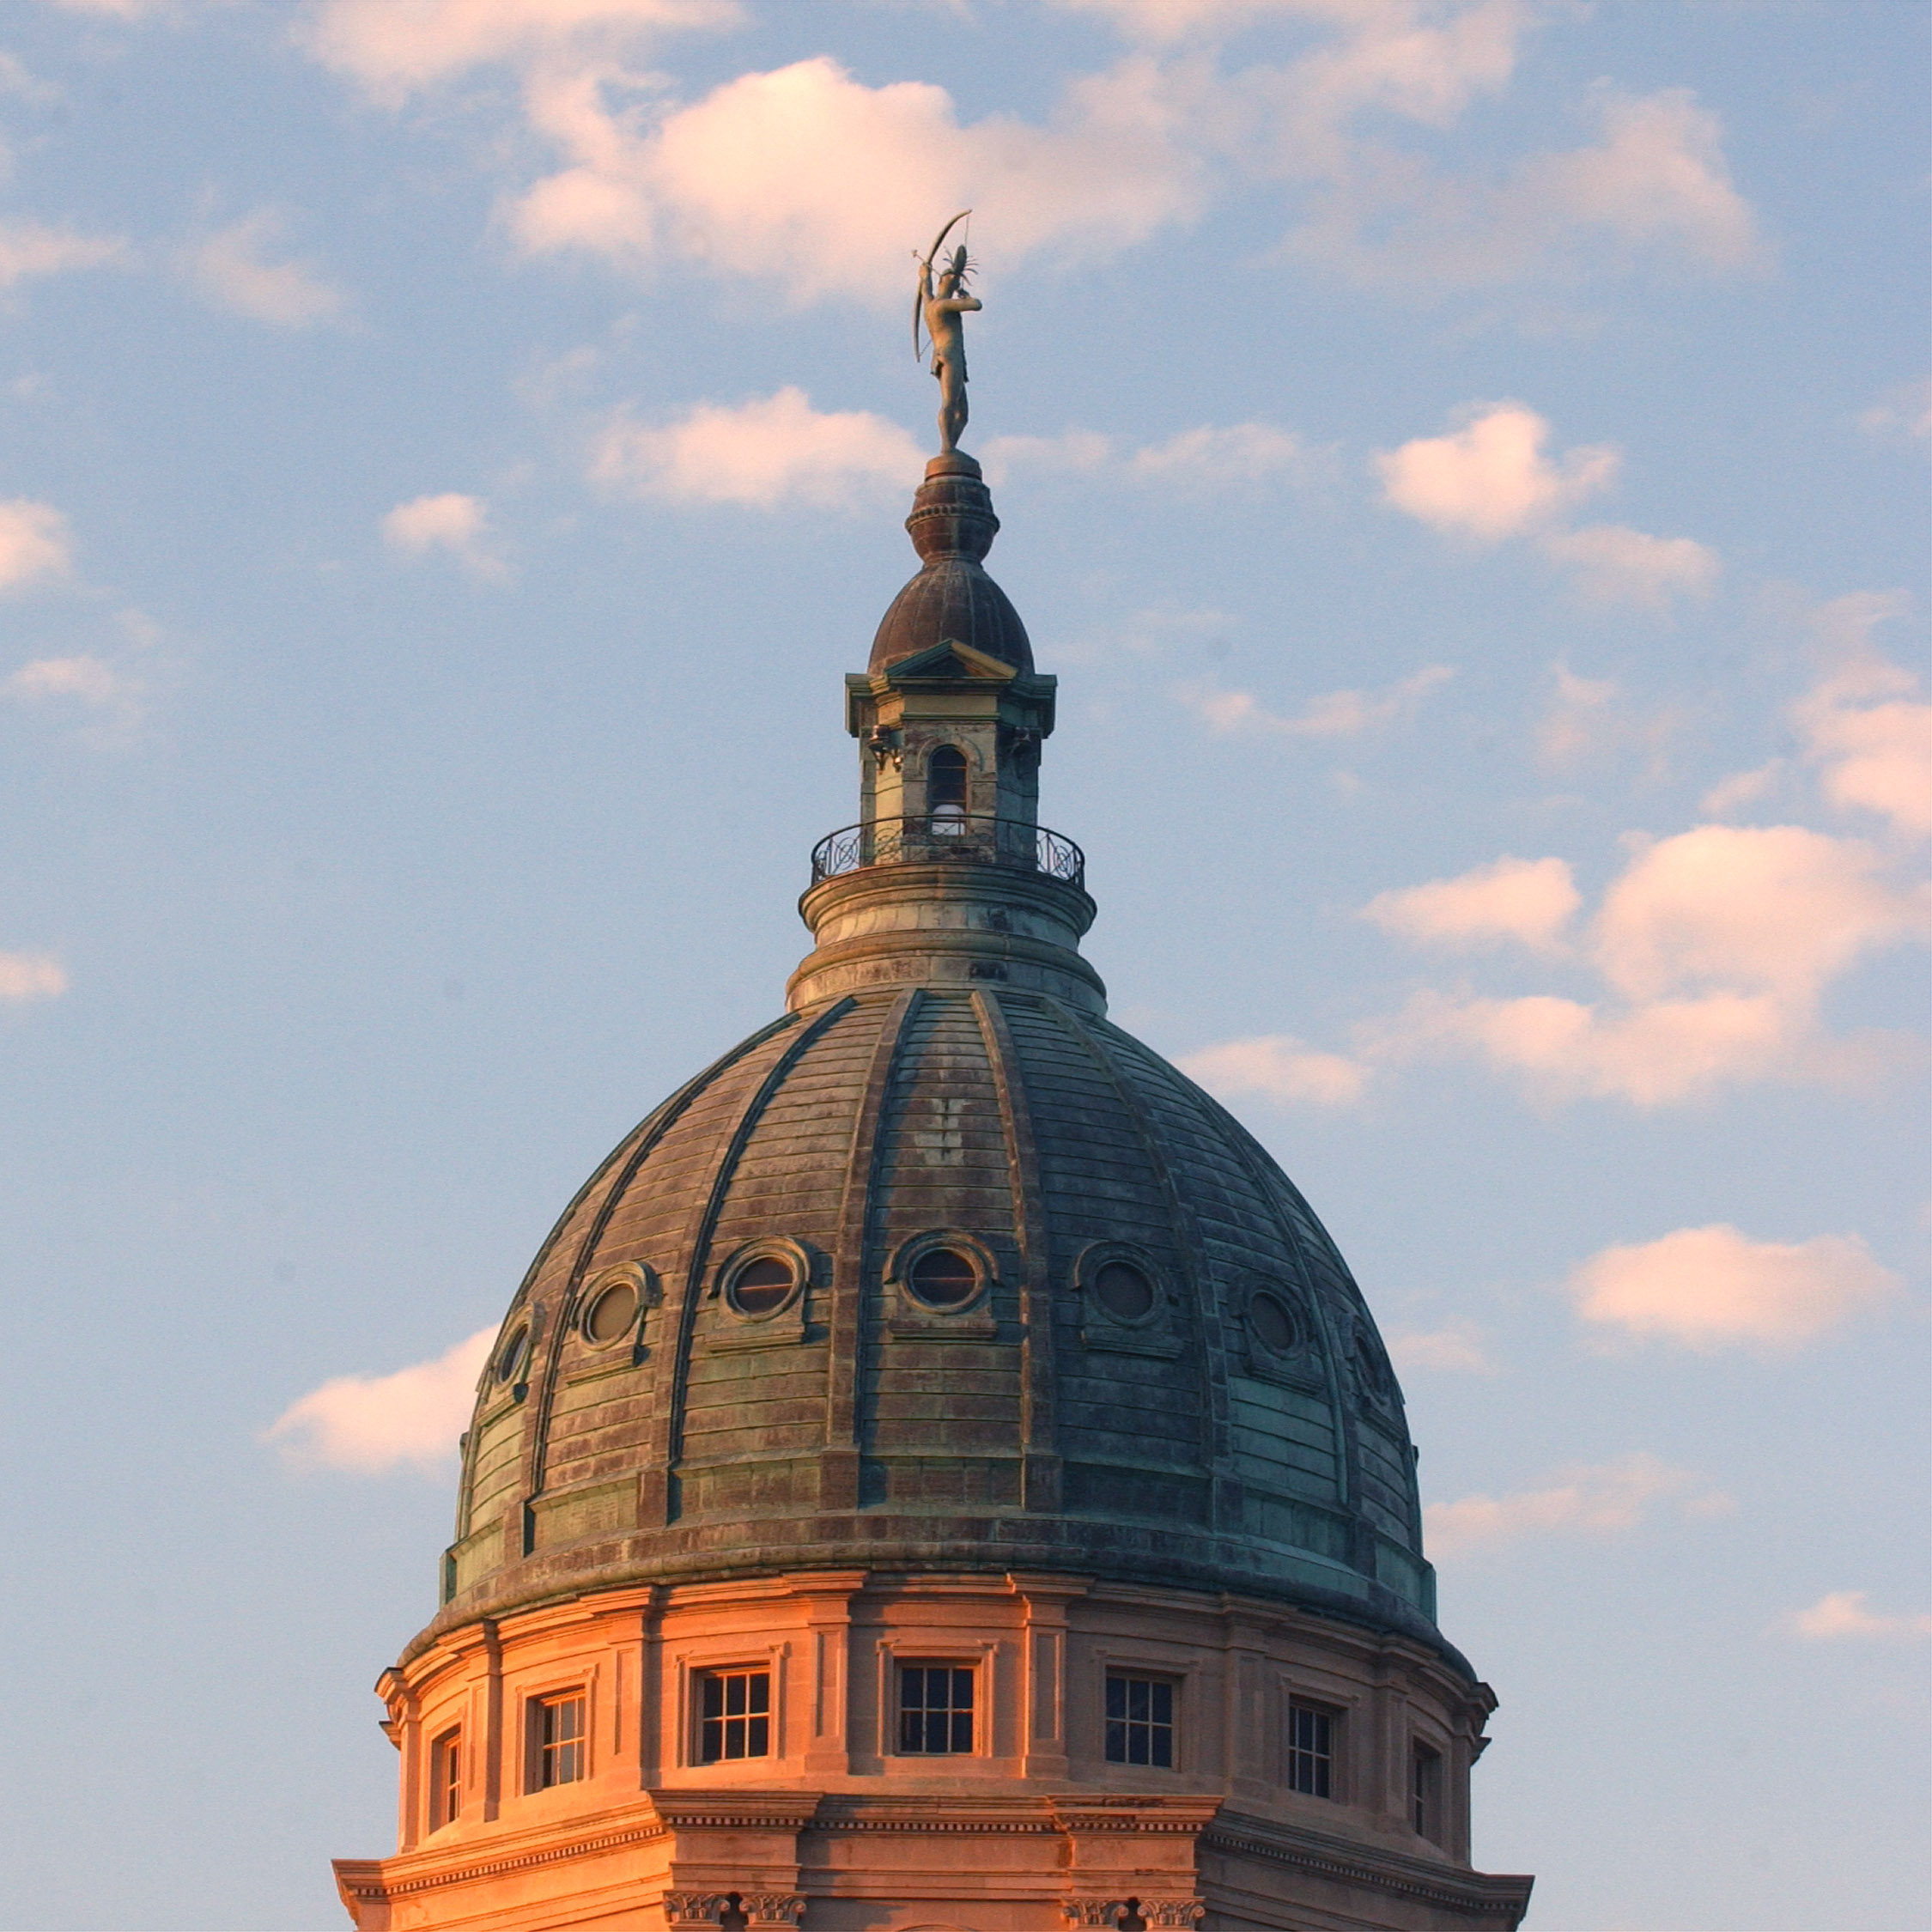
(940, 307)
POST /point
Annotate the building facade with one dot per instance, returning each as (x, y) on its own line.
(938, 1472)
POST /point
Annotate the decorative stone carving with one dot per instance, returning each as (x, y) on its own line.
(1180, 1913)
(1093, 1911)
(771, 1908)
(694, 1908)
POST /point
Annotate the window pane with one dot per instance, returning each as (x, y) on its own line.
(733, 1720)
(1311, 1750)
(935, 1710)
(1140, 1726)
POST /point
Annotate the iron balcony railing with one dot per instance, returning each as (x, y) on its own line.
(937, 838)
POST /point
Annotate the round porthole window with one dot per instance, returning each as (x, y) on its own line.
(943, 1278)
(610, 1314)
(762, 1285)
(1124, 1292)
(1272, 1325)
(510, 1356)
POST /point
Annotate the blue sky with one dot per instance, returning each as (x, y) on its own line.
(1466, 467)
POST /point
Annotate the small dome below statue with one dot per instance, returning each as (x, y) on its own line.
(952, 599)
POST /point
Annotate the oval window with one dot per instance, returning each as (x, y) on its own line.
(1124, 1292)
(510, 1360)
(761, 1286)
(1368, 1367)
(612, 1314)
(943, 1278)
(1272, 1325)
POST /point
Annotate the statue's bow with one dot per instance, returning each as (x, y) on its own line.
(926, 274)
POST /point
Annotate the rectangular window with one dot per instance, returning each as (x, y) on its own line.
(446, 1780)
(558, 1725)
(1311, 1750)
(1426, 1792)
(935, 1708)
(1139, 1721)
(734, 1715)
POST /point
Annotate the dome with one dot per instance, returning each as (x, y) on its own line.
(952, 599)
(1155, 1365)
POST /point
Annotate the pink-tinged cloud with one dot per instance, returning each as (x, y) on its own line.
(27, 976)
(1457, 1350)
(1333, 715)
(1864, 727)
(31, 250)
(1714, 1288)
(1840, 1616)
(1530, 901)
(367, 1425)
(1614, 564)
(451, 521)
(1491, 479)
(763, 453)
(1278, 1067)
(1605, 1500)
(35, 542)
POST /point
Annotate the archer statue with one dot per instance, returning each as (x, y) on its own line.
(940, 307)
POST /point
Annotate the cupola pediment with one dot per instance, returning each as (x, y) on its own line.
(950, 661)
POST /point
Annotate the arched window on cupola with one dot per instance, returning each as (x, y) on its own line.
(946, 790)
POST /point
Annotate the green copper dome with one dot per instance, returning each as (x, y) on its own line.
(941, 1270)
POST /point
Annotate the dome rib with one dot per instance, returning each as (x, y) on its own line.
(627, 1155)
(671, 1425)
(1039, 1431)
(839, 1477)
(1213, 1393)
(1267, 1182)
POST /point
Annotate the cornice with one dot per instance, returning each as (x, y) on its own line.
(1472, 1893)
(368, 1882)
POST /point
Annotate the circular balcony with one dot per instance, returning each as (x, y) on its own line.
(936, 838)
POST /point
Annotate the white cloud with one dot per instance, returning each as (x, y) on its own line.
(233, 270)
(1659, 174)
(1575, 725)
(1590, 720)
(1711, 1288)
(1775, 907)
(1490, 479)
(368, 1424)
(1608, 1499)
(30, 250)
(1205, 458)
(88, 680)
(809, 179)
(1333, 715)
(393, 47)
(1862, 725)
(1457, 1350)
(1717, 944)
(1904, 411)
(451, 522)
(34, 543)
(1530, 901)
(769, 450)
(1841, 1614)
(1740, 789)
(26, 976)
(1276, 1066)
(1616, 564)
